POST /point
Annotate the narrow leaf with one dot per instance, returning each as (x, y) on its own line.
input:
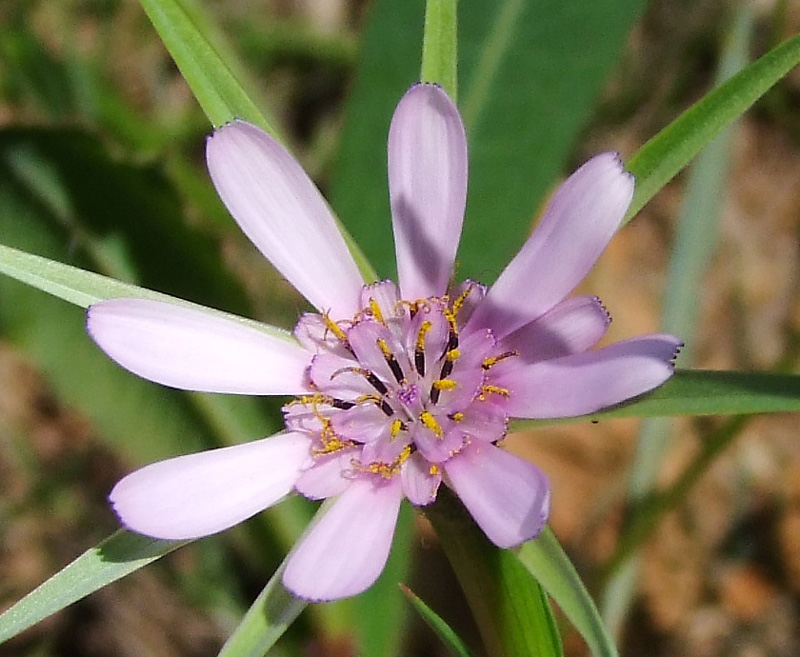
(83, 288)
(510, 608)
(661, 158)
(119, 555)
(270, 615)
(439, 46)
(701, 392)
(546, 560)
(446, 634)
(211, 79)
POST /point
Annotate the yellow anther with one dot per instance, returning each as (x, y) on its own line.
(375, 309)
(386, 470)
(434, 469)
(445, 384)
(460, 300)
(453, 355)
(423, 331)
(493, 390)
(457, 417)
(493, 360)
(451, 320)
(397, 427)
(334, 328)
(430, 422)
(387, 353)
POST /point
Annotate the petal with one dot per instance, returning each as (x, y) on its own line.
(330, 475)
(282, 212)
(195, 350)
(346, 550)
(420, 480)
(201, 494)
(572, 326)
(586, 382)
(507, 496)
(428, 189)
(575, 228)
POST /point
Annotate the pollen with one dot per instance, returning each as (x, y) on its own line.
(396, 428)
(423, 331)
(334, 328)
(430, 422)
(375, 310)
(434, 469)
(445, 384)
(493, 360)
(453, 355)
(493, 390)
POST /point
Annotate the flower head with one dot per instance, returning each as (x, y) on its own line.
(397, 388)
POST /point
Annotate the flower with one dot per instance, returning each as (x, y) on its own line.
(397, 388)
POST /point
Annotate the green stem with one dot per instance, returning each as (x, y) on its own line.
(509, 606)
(440, 46)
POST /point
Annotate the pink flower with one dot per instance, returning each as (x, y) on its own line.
(397, 388)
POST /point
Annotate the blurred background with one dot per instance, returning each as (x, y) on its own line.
(101, 166)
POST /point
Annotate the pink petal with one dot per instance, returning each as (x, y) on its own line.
(195, 350)
(346, 550)
(325, 478)
(428, 189)
(284, 215)
(575, 228)
(420, 480)
(507, 496)
(586, 382)
(572, 326)
(204, 493)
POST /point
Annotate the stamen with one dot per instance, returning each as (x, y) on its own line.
(334, 328)
(373, 380)
(375, 309)
(397, 426)
(493, 360)
(493, 390)
(419, 347)
(430, 422)
(397, 371)
(461, 299)
(385, 470)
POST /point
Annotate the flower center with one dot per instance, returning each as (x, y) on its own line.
(401, 382)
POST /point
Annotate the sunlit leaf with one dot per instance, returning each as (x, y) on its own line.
(548, 563)
(117, 556)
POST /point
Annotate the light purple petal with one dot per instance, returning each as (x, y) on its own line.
(194, 350)
(201, 494)
(347, 548)
(420, 480)
(586, 382)
(428, 189)
(575, 228)
(325, 478)
(284, 215)
(507, 496)
(572, 326)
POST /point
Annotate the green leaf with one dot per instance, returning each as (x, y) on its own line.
(527, 88)
(509, 606)
(446, 634)
(548, 563)
(440, 47)
(119, 555)
(270, 615)
(83, 288)
(701, 392)
(211, 77)
(661, 158)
